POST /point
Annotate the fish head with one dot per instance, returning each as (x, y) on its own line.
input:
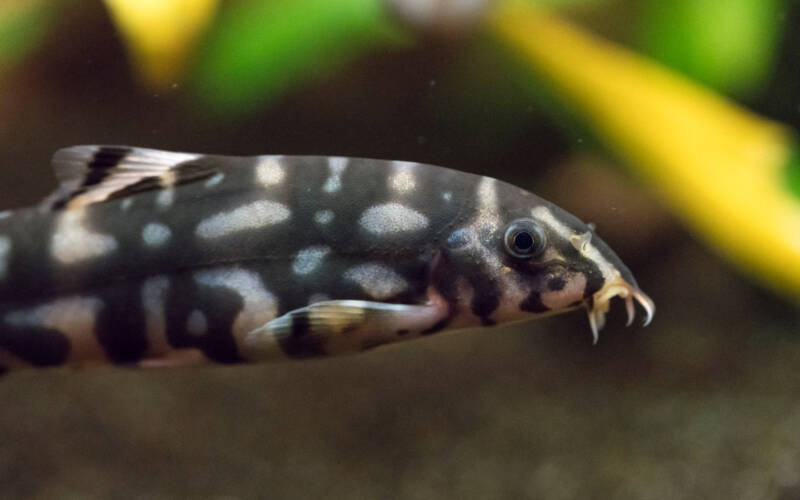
(537, 259)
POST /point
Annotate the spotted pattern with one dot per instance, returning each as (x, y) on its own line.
(323, 216)
(377, 280)
(337, 167)
(126, 204)
(402, 180)
(155, 234)
(309, 259)
(73, 317)
(326, 230)
(392, 218)
(165, 198)
(269, 172)
(259, 305)
(251, 216)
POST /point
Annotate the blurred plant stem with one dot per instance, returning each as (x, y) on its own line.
(722, 168)
(160, 34)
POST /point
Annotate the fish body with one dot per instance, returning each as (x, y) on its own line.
(153, 257)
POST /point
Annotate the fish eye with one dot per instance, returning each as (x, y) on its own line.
(524, 239)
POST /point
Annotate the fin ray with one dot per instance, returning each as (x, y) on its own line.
(92, 174)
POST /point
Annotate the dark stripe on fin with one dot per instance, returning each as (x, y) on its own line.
(93, 174)
(302, 342)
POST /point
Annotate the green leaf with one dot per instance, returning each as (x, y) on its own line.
(728, 45)
(259, 49)
(793, 174)
(23, 25)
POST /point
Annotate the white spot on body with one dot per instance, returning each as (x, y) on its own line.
(196, 323)
(337, 166)
(5, 249)
(155, 234)
(154, 303)
(269, 171)
(126, 204)
(402, 179)
(323, 216)
(165, 198)
(447, 196)
(377, 280)
(214, 180)
(73, 241)
(251, 216)
(259, 307)
(5, 214)
(75, 317)
(309, 259)
(392, 218)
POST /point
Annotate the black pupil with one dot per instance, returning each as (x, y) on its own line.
(523, 241)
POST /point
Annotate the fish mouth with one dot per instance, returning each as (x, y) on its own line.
(598, 306)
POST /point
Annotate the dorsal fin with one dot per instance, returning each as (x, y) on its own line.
(92, 174)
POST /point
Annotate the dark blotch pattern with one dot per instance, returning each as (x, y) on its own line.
(556, 284)
(120, 327)
(220, 305)
(533, 303)
(594, 282)
(485, 302)
(38, 346)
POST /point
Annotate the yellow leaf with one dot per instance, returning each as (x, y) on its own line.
(718, 165)
(160, 34)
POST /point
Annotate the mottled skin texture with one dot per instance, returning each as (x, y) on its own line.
(247, 240)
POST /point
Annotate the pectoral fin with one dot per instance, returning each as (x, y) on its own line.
(341, 326)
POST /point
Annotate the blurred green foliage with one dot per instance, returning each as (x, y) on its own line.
(257, 49)
(23, 24)
(793, 173)
(728, 45)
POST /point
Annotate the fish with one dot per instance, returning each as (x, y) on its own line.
(148, 258)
